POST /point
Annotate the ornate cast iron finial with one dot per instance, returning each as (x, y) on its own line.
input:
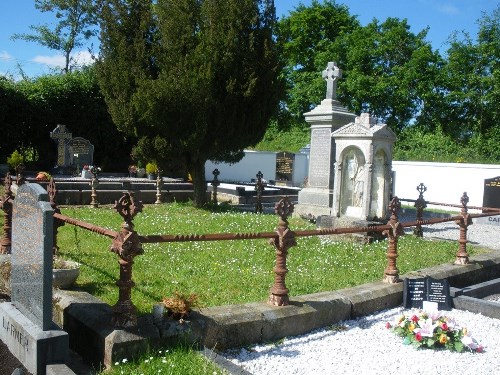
(394, 206)
(284, 208)
(464, 200)
(421, 189)
(20, 180)
(128, 207)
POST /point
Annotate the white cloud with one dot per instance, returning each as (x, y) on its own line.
(4, 55)
(83, 58)
(79, 58)
(55, 60)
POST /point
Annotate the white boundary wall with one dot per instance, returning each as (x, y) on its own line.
(254, 161)
(445, 182)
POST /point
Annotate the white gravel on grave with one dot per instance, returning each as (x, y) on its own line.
(366, 346)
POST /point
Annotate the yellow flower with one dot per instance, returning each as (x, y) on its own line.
(443, 339)
(411, 327)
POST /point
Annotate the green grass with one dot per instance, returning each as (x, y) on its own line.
(229, 272)
(224, 272)
(181, 359)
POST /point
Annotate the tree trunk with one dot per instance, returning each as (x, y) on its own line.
(197, 171)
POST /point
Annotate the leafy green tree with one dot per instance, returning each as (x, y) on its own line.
(31, 109)
(389, 71)
(193, 79)
(308, 39)
(77, 19)
(472, 81)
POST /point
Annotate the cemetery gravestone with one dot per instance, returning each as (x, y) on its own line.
(61, 135)
(418, 291)
(27, 327)
(82, 151)
(316, 198)
(284, 166)
(491, 199)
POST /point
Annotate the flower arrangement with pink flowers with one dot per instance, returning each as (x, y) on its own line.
(434, 330)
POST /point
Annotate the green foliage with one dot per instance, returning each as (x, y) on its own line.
(15, 159)
(33, 108)
(308, 40)
(198, 80)
(291, 140)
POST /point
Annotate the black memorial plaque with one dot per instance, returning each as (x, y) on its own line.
(491, 193)
(427, 289)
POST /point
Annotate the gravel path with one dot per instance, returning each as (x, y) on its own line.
(366, 346)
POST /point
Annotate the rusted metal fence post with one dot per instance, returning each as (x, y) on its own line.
(282, 242)
(420, 205)
(6, 243)
(462, 256)
(391, 273)
(127, 246)
(94, 183)
(259, 187)
(215, 183)
(52, 191)
(159, 184)
(20, 180)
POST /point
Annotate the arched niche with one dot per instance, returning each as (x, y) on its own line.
(379, 185)
(352, 188)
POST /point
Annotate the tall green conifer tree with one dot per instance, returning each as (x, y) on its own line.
(193, 79)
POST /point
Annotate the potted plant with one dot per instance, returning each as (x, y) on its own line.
(14, 160)
(180, 305)
(64, 273)
(151, 169)
(43, 176)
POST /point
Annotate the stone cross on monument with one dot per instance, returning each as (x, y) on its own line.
(331, 75)
(61, 135)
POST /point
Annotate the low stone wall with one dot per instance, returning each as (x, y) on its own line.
(86, 318)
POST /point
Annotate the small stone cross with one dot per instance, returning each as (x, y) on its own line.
(331, 75)
(61, 135)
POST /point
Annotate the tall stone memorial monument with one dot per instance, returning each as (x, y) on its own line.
(27, 327)
(362, 169)
(317, 197)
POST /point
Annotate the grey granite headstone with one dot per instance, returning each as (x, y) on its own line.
(32, 236)
(27, 328)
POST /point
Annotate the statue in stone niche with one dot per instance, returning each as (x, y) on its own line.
(354, 183)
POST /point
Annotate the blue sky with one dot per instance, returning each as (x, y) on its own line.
(442, 16)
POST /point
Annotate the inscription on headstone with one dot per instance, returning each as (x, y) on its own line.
(82, 152)
(428, 289)
(284, 166)
(319, 164)
(491, 193)
(31, 277)
(491, 199)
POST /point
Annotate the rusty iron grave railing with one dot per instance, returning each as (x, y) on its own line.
(127, 243)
